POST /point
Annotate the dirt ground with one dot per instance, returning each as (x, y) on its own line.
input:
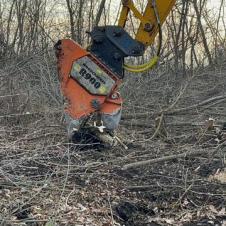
(46, 181)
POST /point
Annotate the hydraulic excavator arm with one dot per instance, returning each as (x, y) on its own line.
(154, 15)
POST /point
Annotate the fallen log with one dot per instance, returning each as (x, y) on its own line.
(172, 157)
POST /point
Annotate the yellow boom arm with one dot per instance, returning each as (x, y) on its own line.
(155, 13)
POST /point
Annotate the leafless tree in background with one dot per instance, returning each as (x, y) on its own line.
(82, 17)
(192, 35)
(164, 119)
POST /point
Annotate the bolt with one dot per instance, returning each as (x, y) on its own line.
(136, 50)
(148, 27)
(95, 103)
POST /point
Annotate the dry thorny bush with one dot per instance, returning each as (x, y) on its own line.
(46, 181)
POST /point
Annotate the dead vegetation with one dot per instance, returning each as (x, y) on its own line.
(172, 173)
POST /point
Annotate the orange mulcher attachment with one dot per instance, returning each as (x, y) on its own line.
(87, 84)
(90, 80)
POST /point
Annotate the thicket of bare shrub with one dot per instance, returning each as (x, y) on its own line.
(165, 115)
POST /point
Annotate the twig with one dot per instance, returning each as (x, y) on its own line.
(13, 95)
(158, 127)
(120, 142)
(29, 114)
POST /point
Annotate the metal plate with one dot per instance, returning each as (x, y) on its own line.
(92, 77)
